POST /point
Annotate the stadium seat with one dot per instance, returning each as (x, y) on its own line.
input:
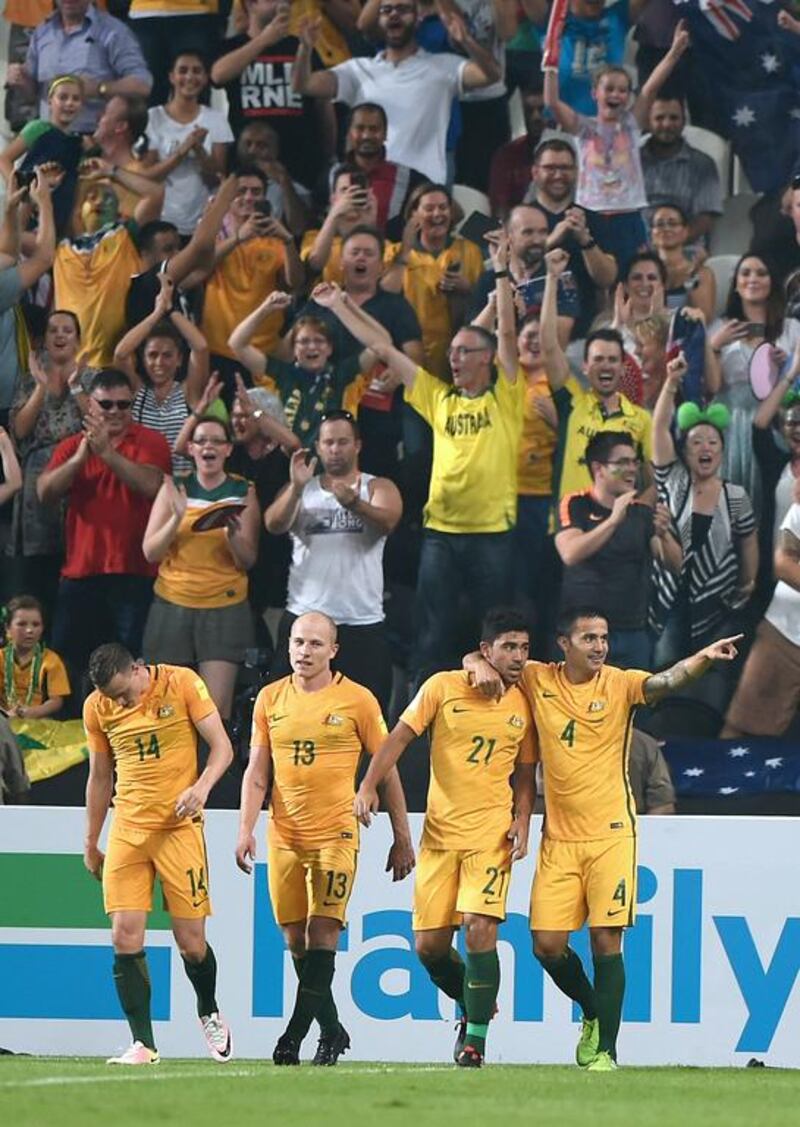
(470, 199)
(714, 146)
(732, 231)
(722, 266)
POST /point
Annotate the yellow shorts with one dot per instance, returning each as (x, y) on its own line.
(578, 881)
(450, 882)
(310, 882)
(177, 856)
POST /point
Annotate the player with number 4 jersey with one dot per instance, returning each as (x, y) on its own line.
(309, 731)
(142, 721)
(586, 867)
(475, 826)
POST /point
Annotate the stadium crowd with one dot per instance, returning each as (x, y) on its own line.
(290, 322)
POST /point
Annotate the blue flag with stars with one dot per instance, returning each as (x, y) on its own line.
(746, 72)
(733, 768)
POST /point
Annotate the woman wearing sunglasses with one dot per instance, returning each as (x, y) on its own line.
(203, 534)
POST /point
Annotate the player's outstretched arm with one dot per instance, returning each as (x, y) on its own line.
(99, 788)
(220, 757)
(366, 802)
(254, 791)
(689, 669)
(401, 856)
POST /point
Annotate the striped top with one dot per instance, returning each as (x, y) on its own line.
(167, 417)
(710, 572)
(199, 570)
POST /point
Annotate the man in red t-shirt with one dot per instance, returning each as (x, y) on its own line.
(109, 475)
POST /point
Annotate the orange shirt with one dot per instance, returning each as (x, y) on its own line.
(538, 442)
(53, 679)
(154, 744)
(316, 740)
(237, 286)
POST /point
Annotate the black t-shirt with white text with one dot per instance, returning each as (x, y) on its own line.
(263, 92)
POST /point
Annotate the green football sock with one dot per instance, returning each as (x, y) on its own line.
(448, 974)
(481, 983)
(328, 1016)
(312, 990)
(569, 976)
(132, 980)
(203, 977)
(609, 990)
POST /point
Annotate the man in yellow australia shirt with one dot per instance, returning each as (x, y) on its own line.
(582, 412)
(472, 502)
(142, 721)
(476, 825)
(309, 731)
(586, 867)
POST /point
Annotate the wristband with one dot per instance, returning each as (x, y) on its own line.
(589, 245)
(500, 274)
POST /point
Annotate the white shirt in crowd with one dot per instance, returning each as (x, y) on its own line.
(337, 559)
(186, 194)
(784, 610)
(417, 95)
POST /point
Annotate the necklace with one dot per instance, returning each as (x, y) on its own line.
(33, 683)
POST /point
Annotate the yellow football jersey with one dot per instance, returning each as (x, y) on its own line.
(475, 744)
(538, 443)
(154, 744)
(239, 283)
(199, 569)
(432, 306)
(316, 740)
(473, 485)
(584, 740)
(53, 680)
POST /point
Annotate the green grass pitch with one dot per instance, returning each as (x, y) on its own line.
(41, 1092)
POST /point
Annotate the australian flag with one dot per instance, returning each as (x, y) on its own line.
(746, 74)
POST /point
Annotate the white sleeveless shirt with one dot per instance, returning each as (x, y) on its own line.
(337, 559)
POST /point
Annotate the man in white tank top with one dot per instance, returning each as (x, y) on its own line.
(338, 521)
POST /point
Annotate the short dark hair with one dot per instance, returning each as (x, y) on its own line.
(193, 53)
(489, 339)
(372, 107)
(107, 661)
(600, 445)
(109, 378)
(225, 426)
(254, 171)
(365, 229)
(503, 620)
(22, 602)
(532, 83)
(609, 335)
(344, 169)
(648, 256)
(148, 232)
(567, 618)
(555, 145)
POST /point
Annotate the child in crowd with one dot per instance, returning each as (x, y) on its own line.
(33, 680)
(50, 142)
(611, 181)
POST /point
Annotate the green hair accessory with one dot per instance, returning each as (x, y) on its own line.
(791, 398)
(691, 414)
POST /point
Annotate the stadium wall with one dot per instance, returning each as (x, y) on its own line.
(711, 964)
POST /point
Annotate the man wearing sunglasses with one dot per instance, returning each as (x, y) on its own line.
(606, 537)
(108, 475)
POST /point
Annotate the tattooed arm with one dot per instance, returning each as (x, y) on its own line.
(689, 669)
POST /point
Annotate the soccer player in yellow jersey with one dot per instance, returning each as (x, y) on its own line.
(142, 721)
(476, 824)
(309, 730)
(586, 868)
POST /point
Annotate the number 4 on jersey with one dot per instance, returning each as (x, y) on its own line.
(568, 735)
